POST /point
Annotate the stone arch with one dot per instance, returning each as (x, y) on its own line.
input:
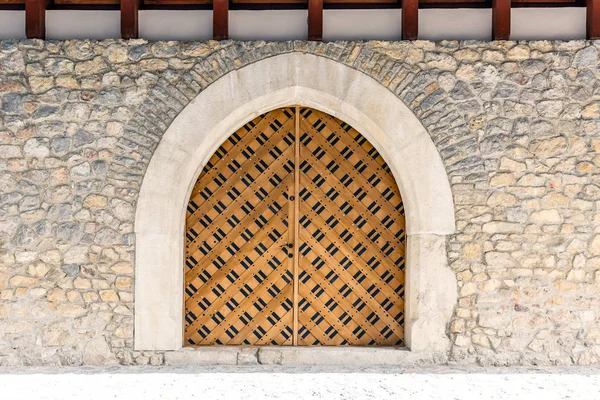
(239, 96)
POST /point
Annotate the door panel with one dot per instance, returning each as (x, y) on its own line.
(295, 236)
(352, 237)
(238, 281)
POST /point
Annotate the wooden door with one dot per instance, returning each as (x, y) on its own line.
(295, 236)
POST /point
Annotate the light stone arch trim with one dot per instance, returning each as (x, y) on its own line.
(240, 96)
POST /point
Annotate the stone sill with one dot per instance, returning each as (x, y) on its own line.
(291, 356)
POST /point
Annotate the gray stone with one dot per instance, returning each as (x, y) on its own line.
(587, 57)
(82, 138)
(60, 145)
(44, 112)
(25, 237)
(69, 232)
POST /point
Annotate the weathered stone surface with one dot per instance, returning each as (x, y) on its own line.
(517, 127)
(97, 352)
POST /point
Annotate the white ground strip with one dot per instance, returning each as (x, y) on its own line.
(258, 382)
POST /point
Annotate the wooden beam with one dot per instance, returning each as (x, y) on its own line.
(220, 19)
(593, 19)
(410, 19)
(35, 19)
(501, 19)
(315, 19)
(129, 19)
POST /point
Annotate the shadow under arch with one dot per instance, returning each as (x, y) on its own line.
(238, 97)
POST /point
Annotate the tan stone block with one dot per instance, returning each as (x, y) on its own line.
(593, 334)
(531, 180)
(123, 282)
(472, 251)
(563, 286)
(126, 297)
(467, 55)
(125, 331)
(546, 217)
(94, 66)
(38, 269)
(17, 327)
(490, 286)
(463, 313)
(505, 179)
(56, 295)
(457, 326)
(551, 147)
(521, 272)
(594, 247)
(100, 284)
(153, 64)
(519, 53)
(57, 334)
(591, 111)
(109, 296)
(51, 257)
(555, 200)
(468, 289)
(480, 277)
(576, 275)
(6, 294)
(41, 84)
(464, 275)
(462, 341)
(20, 280)
(498, 259)
(38, 292)
(481, 340)
(122, 268)
(95, 201)
(506, 164)
(116, 53)
(90, 297)
(67, 82)
(502, 227)
(82, 283)
(492, 321)
(502, 199)
(70, 310)
(77, 255)
(123, 310)
(74, 296)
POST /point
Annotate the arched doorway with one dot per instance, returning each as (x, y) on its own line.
(226, 105)
(295, 235)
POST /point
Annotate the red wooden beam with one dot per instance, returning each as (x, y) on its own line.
(315, 19)
(35, 19)
(593, 19)
(410, 19)
(220, 19)
(129, 19)
(501, 19)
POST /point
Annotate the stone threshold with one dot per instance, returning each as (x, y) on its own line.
(291, 356)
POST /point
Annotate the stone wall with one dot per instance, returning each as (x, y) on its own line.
(516, 124)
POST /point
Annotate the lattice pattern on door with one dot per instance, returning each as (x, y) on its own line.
(295, 235)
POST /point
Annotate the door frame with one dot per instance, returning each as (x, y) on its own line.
(240, 96)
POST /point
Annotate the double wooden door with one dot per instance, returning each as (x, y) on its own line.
(295, 235)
